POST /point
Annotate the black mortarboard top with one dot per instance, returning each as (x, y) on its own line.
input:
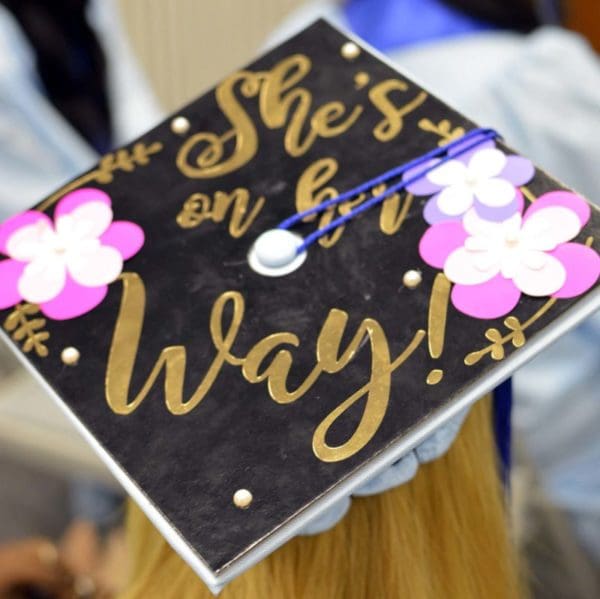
(234, 406)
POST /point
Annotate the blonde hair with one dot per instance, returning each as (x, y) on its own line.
(444, 534)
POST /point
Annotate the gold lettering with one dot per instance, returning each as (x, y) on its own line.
(278, 370)
(125, 346)
(310, 191)
(224, 328)
(323, 121)
(377, 391)
(279, 103)
(393, 123)
(209, 161)
(393, 210)
(438, 313)
(282, 103)
(199, 208)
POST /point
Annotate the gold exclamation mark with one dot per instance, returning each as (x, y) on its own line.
(438, 313)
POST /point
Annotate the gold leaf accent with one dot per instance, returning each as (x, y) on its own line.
(443, 130)
(29, 331)
(513, 323)
(121, 160)
(516, 336)
(497, 347)
(435, 376)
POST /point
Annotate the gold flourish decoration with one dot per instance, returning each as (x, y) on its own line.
(516, 336)
(435, 376)
(443, 130)
(528, 194)
(29, 332)
(121, 160)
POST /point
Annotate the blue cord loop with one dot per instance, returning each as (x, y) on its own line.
(460, 146)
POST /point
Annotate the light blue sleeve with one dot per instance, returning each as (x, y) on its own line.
(397, 474)
(39, 149)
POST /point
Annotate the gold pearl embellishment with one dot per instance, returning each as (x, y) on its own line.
(412, 279)
(361, 80)
(350, 51)
(242, 498)
(70, 356)
(180, 125)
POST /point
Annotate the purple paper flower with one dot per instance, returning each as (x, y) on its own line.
(492, 263)
(485, 179)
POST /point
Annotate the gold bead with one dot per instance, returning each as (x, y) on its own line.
(242, 498)
(180, 125)
(350, 51)
(412, 278)
(70, 356)
(361, 80)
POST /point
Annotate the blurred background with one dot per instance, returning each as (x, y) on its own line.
(143, 59)
(165, 34)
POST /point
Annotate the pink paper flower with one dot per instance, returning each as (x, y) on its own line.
(492, 263)
(485, 179)
(65, 266)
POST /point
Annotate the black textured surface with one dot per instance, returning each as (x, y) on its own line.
(189, 466)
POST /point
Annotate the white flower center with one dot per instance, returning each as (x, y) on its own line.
(512, 239)
(472, 180)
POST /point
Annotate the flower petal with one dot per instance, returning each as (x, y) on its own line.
(31, 241)
(73, 301)
(79, 197)
(440, 241)
(455, 200)
(541, 282)
(19, 221)
(487, 163)
(42, 280)
(448, 173)
(582, 265)
(566, 199)
(493, 299)
(475, 225)
(495, 192)
(466, 156)
(549, 227)
(10, 273)
(518, 170)
(422, 186)
(471, 268)
(124, 236)
(95, 266)
(432, 214)
(87, 221)
(500, 213)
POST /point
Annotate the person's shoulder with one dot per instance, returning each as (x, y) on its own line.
(15, 52)
(551, 40)
(554, 62)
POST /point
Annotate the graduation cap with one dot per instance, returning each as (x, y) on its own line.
(279, 291)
